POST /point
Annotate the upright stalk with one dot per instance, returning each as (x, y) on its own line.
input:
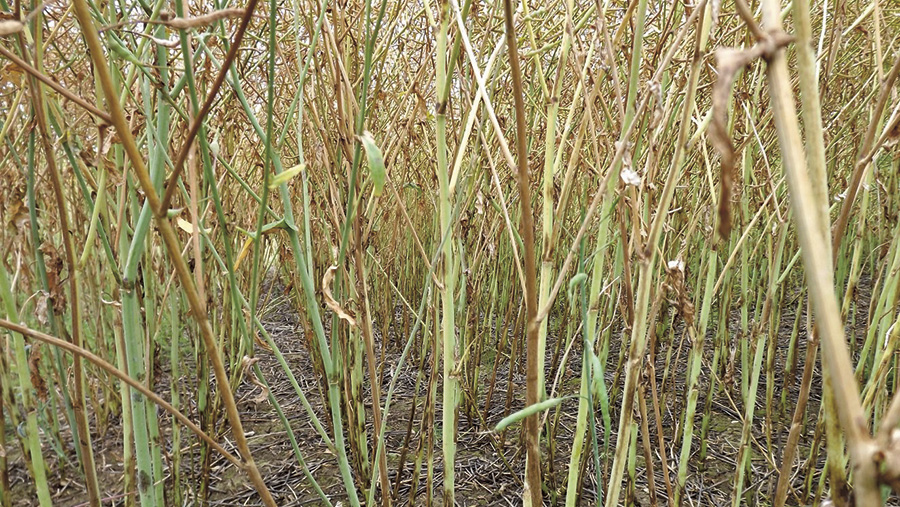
(819, 274)
(450, 351)
(531, 497)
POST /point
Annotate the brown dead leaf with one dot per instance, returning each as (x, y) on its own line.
(37, 380)
(893, 135)
(40, 309)
(18, 216)
(54, 264)
(247, 363)
(12, 73)
(329, 300)
(730, 61)
(675, 283)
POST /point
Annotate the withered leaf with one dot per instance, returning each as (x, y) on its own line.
(329, 299)
(729, 61)
(37, 380)
(40, 309)
(54, 264)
